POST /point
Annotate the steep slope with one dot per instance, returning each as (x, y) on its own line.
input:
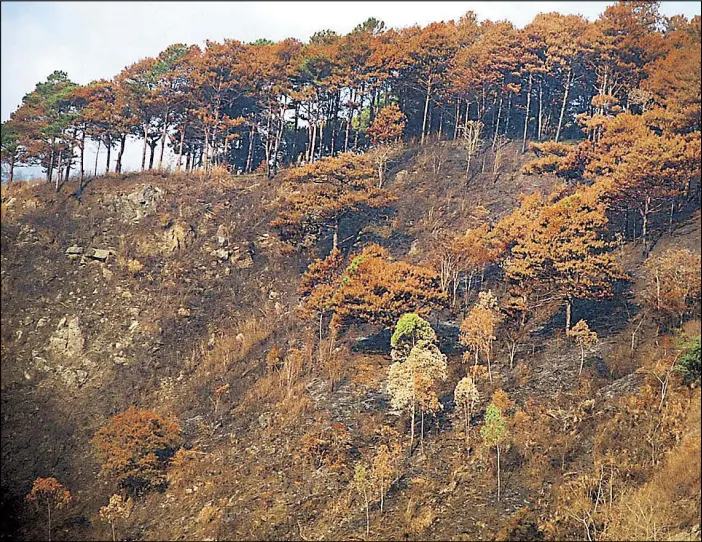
(158, 290)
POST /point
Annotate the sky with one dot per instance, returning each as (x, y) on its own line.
(93, 40)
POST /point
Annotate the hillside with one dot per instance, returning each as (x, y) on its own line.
(169, 292)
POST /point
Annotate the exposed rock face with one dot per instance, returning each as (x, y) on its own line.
(137, 204)
(74, 250)
(179, 236)
(72, 377)
(99, 254)
(222, 236)
(241, 259)
(68, 339)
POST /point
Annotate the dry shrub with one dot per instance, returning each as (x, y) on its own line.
(692, 328)
(207, 514)
(523, 525)
(418, 514)
(133, 266)
(292, 369)
(292, 409)
(185, 466)
(369, 375)
(273, 360)
(670, 502)
(641, 430)
(332, 364)
(327, 445)
(265, 389)
(236, 344)
(135, 446)
(622, 361)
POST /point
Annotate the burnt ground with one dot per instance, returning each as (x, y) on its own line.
(194, 292)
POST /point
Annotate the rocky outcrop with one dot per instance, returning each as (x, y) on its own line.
(67, 340)
(178, 236)
(137, 204)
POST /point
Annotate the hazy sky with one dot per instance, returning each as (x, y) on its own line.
(93, 40)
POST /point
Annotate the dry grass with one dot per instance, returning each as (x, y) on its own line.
(669, 503)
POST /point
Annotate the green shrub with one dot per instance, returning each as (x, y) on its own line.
(689, 363)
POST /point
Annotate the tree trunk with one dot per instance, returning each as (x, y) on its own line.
(498, 472)
(541, 103)
(489, 367)
(426, 110)
(143, 150)
(206, 151)
(50, 169)
(335, 239)
(58, 172)
(122, 142)
(563, 105)
(313, 142)
(249, 155)
(457, 121)
(48, 506)
(279, 137)
(509, 110)
(582, 359)
(82, 159)
(97, 154)
(114, 538)
(367, 516)
(465, 418)
(349, 121)
(644, 223)
(12, 168)
(164, 133)
(108, 144)
(497, 124)
(180, 150)
(151, 157)
(421, 432)
(412, 429)
(569, 309)
(441, 122)
(68, 166)
(526, 116)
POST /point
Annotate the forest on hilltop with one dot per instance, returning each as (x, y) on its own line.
(434, 282)
(269, 105)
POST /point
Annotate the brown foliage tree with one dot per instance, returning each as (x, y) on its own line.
(673, 288)
(117, 508)
(583, 337)
(49, 493)
(325, 192)
(135, 446)
(377, 290)
(385, 131)
(565, 251)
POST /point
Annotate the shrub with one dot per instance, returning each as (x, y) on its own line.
(134, 448)
(689, 363)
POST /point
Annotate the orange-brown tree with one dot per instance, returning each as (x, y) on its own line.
(51, 494)
(374, 289)
(385, 131)
(673, 284)
(326, 192)
(134, 448)
(583, 337)
(317, 286)
(479, 327)
(566, 252)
